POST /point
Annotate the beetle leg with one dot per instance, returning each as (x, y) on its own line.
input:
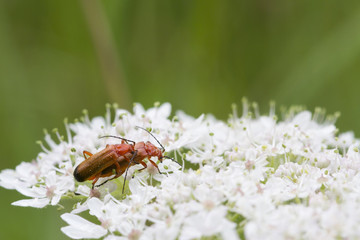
(155, 165)
(87, 153)
(117, 171)
(144, 165)
(131, 161)
(95, 180)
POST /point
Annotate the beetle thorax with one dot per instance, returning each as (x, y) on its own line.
(153, 151)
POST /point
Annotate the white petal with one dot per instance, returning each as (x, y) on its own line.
(55, 200)
(229, 234)
(302, 118)
(80, 208)
(95, 206)
(83, 190)
(112, 237)
(32, 192)
(138, 109)
(8, 179)
(81, 228)
(36, 202)
(161, 112)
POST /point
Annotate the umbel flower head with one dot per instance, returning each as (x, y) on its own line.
(251, 177)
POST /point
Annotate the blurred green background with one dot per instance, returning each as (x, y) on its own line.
(59, 57)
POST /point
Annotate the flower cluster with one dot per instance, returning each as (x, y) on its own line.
(252, 177)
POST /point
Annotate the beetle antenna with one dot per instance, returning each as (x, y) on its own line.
(163, 149)
(126, 140)
(167, 157)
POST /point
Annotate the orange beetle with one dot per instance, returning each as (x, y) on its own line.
(118, 158)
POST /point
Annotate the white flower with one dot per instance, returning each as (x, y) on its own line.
(80, 228)
(209, 223)
(50, 192)
(250, 177)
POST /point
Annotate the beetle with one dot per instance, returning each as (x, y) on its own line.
(118, 158)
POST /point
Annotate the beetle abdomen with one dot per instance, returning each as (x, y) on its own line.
(79, 175)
